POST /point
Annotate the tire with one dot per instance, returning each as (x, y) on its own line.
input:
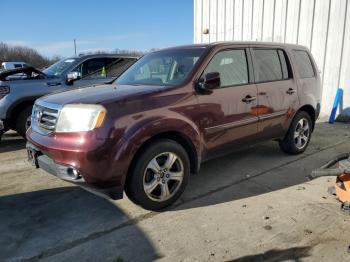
(144, 175)
(22, 121)
(298, 136)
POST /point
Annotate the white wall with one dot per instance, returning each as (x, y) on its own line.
(321, 25)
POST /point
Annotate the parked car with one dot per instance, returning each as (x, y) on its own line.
(172, 110)
(20, 87)
(12, 65)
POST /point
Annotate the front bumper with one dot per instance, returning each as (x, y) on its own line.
(69, 174)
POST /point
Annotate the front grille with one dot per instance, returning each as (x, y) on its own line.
(44, 118)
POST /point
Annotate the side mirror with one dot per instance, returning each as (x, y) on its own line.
(210, 81)
(73, 76)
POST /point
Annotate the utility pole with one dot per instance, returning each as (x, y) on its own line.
(75, 48)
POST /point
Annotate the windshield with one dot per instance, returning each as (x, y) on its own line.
(168, 67)
(57, 68)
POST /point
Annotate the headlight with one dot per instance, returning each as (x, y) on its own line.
(4, 90)
(80, 117)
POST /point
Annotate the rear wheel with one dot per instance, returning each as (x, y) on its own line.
(159, 176)
(24, 121)
(299, 134)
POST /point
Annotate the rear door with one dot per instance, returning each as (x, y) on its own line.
(227, 114)
(277, 91)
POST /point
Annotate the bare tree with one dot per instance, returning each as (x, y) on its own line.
(30, 56)
(9, 53)
(129, 52)
(116, 51)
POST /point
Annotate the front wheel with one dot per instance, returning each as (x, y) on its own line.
(24, 121)
(159, 175)
(298, 135)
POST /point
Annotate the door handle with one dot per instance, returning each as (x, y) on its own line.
(290, 91)
(54, 84)
(248, 99)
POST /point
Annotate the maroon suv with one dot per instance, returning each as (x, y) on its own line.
(172, 110)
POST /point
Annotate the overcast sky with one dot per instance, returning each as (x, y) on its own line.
(50, 26)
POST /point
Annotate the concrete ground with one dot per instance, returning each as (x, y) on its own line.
(253, 205)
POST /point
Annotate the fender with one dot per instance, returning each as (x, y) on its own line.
(308, 99)
(136, 135)
(18, 102)
(292, 115)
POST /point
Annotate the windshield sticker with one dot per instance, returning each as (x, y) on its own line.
(69, 60)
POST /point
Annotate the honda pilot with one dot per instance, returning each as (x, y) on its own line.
(172, 110)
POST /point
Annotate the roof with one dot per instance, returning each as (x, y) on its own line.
(256, 43)
(106, 55)
(193, 46)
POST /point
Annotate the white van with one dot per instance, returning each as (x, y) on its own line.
(12, 65)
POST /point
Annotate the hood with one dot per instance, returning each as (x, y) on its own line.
(99, 94)
(29, 70)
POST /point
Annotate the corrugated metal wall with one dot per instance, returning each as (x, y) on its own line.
(321, 25)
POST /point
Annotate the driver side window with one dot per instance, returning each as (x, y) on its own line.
(232, 66)
(91, 69)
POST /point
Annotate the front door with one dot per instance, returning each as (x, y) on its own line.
(227, 116)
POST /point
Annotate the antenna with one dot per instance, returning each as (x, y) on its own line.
(75, 48)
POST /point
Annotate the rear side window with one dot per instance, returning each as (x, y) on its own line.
(303, 63)
(268, 65)
(232, 66)
(114, 67)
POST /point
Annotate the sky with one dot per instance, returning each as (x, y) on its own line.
(50, 26)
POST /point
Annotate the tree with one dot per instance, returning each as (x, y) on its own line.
(30, 56)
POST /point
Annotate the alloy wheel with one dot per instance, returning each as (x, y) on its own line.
(302, 133)
(163, 176)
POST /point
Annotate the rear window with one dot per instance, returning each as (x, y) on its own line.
(268, 65)
(303, 63)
